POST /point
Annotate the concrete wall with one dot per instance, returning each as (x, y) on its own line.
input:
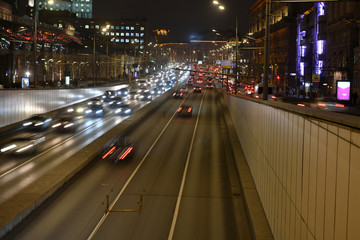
(17, 105)
(306, 167)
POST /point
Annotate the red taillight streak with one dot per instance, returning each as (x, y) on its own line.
(321, 104)
(179, 109)
(339, 105)
(189, 110)
(109, 152)
(126, 153)
(273, 97)
(301, 105)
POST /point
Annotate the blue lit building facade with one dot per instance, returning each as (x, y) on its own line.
(328, 47)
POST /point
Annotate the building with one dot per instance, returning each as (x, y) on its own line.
(78, 8)
(282, 58)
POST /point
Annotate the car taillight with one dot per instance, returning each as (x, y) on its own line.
(109, 152)
(179, 109)
(123, 156)
(301, 105)
(189, 110)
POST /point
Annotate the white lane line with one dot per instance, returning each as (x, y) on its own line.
(177, 207)
(91, 236)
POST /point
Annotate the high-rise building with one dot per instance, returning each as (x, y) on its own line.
(79, 8)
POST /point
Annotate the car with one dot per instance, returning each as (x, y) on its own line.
(95, 111)
(209, 86)
(134, 92)
(145, 96)
(25, 143)
(95, 101)
(39, 122)
(124, 110)
(249, 89)
(156, 91)
(183, 90)
(178, 95)
(115, 102)
(118, 149)
(184, 111)
(123, 92)
(197, 89)
(66, 123)
(108, 95)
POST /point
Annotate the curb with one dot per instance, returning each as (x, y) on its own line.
(259, 224)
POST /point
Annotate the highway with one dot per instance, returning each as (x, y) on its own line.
(182, 167)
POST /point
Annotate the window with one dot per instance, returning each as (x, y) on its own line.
(142, 28)
(122, 28)
(112, 34)
(132, 28)
(127, 28)
(87, 26)
(141, 34)
(117, 27)
(117, 40)
(137, 34)
(122, 40)
(132, 34)
(127, 34)
(112, 27)
(141, 47)
(127, 40)
(117, 34)
(122, 34)
(97, 26)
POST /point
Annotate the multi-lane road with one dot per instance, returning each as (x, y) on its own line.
(183, 170)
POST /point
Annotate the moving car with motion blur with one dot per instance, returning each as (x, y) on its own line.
(209, 86)
(145, 96)
(108, 95)
(95, 111)
(23, 144)
(123, 92)
(183, 90)
(197, 89)
(38, 122)
(95, 101)
(124, 110)
(115, 102)
(118, 149)
(66, 123)
(156, 91)
(184, 111)
(178, 95)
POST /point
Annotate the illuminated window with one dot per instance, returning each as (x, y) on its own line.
(127, 28)
(141, 47)
(142, 29)
(141, 34)
(302, 68)
(112, 27)
(122, 28)
(122, 40)
(320, 46)
(117, 40)
(132, 34)
(87, 26)
(127, 34)
(112, 34)
(117, 27)
(132, 28)
(122, 34)
(117, 34)
(127, 40)
(137, 34)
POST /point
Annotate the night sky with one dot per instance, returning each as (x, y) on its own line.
(184, 19)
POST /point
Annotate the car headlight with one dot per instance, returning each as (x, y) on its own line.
(128, 111)
(88, 111)
(99, 111)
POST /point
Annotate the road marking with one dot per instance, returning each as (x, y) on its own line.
(177, 207)
(91, 236)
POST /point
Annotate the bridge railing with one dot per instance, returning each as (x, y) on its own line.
(306, 166)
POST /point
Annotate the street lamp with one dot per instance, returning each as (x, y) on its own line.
(94, 52)
(221, 7)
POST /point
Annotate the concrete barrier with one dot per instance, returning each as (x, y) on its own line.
(305, 164)
(13, 211)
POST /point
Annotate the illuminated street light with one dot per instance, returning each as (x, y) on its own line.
(221, 7)
(216, 2)
(51, 2)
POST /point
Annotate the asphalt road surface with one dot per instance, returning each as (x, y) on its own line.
(182, 170)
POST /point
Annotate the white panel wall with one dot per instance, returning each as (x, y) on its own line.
(306, 170)
(17, 105)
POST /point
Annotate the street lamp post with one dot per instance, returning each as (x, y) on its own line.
(36, 8)
(94, 61)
